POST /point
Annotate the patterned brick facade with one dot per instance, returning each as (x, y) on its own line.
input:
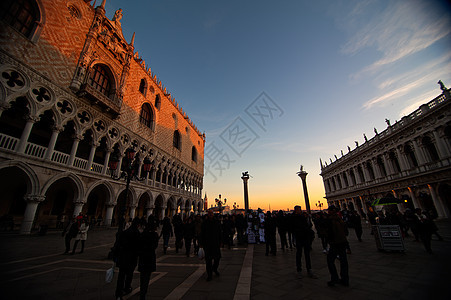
(49, 73)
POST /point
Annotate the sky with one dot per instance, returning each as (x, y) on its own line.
(279, 84)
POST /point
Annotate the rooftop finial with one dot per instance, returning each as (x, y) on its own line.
(133, 40)
(103, 4)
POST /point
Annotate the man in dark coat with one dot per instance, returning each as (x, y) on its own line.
(126, 254)
(281, 222)
(71, 232)
(211, 238)
(270, 233)
(148, 242)
(302, 232)
(336, 237)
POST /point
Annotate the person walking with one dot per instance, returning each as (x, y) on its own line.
(336, 237)
(148, 242)
(356, 222)
(188, 234)
(82, 235)
(320, 224)
(166, 232)
(270, 234)
(69, 233)
(302, 233)
(126, 255)
(178, 231)
(281, 222)
(211, 237)
(197, 232)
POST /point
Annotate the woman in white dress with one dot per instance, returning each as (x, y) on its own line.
(81, 236)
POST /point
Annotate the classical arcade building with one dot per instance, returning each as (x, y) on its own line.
(76, 100)
(410, 160)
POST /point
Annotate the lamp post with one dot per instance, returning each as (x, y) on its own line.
(220, 203)
(245, 176)
(303, 175)
(130, 172)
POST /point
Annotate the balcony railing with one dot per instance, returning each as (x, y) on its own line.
(9, 144)
(112, 105)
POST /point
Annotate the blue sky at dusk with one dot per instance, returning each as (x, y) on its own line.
(321, 73)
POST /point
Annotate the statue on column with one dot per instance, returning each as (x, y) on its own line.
(117, 16)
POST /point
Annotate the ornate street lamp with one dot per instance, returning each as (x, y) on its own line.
(220, 203)
(319, 204)
(129, 172)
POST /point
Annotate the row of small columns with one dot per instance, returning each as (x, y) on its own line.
(194, 188)
(389, 164)
(442, 211)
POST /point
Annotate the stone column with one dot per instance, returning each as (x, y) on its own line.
(105, 162)
(441, 212)
(387, 163)
(132, 211)
(401, 160)
(73, 151)
(91, 155)
(363, 205)
(415, 202)
(149, 212)
(366, 173)
(376, 168)
(109, 214)
(441, 149)
(162, 212)
(51, 146)
(419, 153)
(357, 175)
(30, 212)
(78, 207)
(25, 135)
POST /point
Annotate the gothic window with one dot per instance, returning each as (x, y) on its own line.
(143, 87)
(22, 15)
(430, 149)
(177, 141)
(157, 102)
(145, 116)
(100, 80)
(194, 154)
(411, 156)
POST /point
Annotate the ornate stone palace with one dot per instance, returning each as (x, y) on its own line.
(410, 160)
(74, 97)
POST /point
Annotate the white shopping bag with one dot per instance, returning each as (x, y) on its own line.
(109, 274)
(201, 253)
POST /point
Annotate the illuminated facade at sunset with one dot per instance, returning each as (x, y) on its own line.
(74, 95)
(410, 160)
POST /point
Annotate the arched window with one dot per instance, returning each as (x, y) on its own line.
(411, 156)
(177, 141)
(369, 167)
(430, 148)
(157, 102)
(22, 15)
(351, 173)
(194, 154)
(143, 87)
(145, 117)
(395, 161)
(100, 80)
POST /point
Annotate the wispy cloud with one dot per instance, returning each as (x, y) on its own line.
(402, 29)
(410, 82)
